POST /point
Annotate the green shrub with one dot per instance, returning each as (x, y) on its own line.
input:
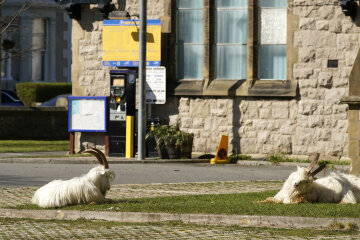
(31, 92)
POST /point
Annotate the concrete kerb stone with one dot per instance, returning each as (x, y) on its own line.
(291, 164)
(206, 219)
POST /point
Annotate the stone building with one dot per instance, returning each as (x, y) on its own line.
(39, 43)
(270, 74)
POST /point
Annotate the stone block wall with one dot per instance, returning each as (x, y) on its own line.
(324, 34)
(315, 121)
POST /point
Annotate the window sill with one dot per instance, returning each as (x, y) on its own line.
(189, 88)
(235, 88)
(274, 88)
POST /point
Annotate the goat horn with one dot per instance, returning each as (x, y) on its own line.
(96, 154)
(102, 155)
(314, 161)
(319, 169)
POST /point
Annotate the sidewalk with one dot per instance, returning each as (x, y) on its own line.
(64, 158)
(38, 157)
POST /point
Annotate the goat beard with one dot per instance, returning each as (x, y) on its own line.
(297, 196)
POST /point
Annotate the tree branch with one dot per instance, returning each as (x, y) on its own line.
(24, 7)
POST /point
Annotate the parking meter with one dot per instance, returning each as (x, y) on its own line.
(122, 112)
(117, 98)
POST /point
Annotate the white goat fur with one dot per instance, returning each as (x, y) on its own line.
(89, 188)
(335, 188)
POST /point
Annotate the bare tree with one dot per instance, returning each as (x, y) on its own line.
(24, 7)
(8, 22)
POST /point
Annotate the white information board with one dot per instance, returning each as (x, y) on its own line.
(155, 85)
(87, 114)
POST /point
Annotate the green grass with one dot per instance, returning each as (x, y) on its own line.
(241, 204)
(278, 158)
(33, 146)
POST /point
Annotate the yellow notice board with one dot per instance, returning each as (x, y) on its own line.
(121, 43)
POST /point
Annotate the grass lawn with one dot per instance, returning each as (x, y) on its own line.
(242, 204)
(33, 146)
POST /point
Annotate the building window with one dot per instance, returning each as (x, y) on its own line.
(237, 47)
(39, 49)
(272, 34)
(189, 42)
(230, 39)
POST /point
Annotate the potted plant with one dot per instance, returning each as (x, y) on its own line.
(171, 142)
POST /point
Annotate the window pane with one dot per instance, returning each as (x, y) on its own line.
(231, 62)
(231, 26)
(190, 3)
(231, 3)
(190, 26)
(272, 3)
(273, 26)
(190, 61)
(272, 62)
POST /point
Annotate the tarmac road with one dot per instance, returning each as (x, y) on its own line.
(35, 174)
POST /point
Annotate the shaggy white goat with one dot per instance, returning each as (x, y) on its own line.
(89, 188)
(302, 186)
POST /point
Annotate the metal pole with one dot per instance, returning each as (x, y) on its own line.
(142, 82)
(0, 49)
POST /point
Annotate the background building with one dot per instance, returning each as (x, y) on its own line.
(41, 38)
(270, 74)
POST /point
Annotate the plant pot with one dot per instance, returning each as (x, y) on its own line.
(173, 151)
(161, 149)
(186, 149)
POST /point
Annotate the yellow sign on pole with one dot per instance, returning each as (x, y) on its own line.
(121, 43)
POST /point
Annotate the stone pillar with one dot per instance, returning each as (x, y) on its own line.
(353, 100)
(354, 132)
(38, 46)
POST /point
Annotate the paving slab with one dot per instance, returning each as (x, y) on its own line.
(206, 219)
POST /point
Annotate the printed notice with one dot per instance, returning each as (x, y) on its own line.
(87, 114)
(155, 85)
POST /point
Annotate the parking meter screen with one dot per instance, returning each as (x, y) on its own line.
(118, 82)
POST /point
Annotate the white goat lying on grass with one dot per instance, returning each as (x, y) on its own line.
(302, 186)
(89, 188)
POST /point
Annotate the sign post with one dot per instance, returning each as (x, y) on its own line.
(142, 82)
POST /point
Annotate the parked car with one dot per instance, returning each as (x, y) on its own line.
(9, 98)
(52, 102)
